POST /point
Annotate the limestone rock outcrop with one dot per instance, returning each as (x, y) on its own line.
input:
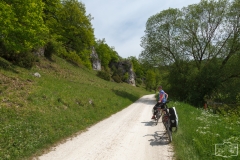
(125, 67)
(96, 63)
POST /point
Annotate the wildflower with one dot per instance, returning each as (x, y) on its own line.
(203, 132)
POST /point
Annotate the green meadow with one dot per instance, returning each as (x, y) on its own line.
(203, 135)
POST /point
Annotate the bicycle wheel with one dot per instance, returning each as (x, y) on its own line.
(169, 133)
(157, 117)
(165, 120)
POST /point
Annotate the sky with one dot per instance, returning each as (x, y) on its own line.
(122, 22)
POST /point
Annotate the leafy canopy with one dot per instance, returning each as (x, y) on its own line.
(199, 44)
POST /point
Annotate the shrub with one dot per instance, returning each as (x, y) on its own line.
(51, 48)
(72, 57)
(25, 60)
(22, 59)
(139, 81)
(104, 75)
(125, 77)
(116, 78)
(54, 47)
(84, 55)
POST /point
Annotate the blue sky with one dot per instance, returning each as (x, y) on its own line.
(122, 22)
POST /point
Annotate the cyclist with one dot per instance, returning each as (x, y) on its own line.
(162, 99)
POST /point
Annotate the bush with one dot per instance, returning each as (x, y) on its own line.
(125, 77)
(54, 47)
(116, 78)
(51, 48)
(72, 57)
(25, 60)
(84, 55)
(139, 81)
(22, 59)
(104, 75)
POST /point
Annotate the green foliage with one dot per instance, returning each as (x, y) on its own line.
(22, 28)
(50, 9)
(49, 24)
(200, 45)
(225, 110)
(181, 80)
(72, 57)
(139, 81)
(85, 57)
(50, 49)
(150, 80)
(74, 27)
(116, 78)
(106, 54)
(103, 52)
(104, 75)
(70, 27)
(238, 99)
(26, 59)
(125, 77)
(21, 31)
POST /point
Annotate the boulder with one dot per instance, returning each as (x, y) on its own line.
(37, 75)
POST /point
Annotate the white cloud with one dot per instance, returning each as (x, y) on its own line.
(122, 22)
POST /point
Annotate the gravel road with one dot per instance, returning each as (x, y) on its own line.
(127, 135)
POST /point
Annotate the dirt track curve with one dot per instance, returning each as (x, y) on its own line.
(127, 135)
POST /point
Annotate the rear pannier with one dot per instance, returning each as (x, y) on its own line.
(173, 117)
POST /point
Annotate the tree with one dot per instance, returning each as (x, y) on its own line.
(71, 28)
(137, 67)
(75, 26)
(150, 80)
(202, 38)
(22, 27)
(106, 54)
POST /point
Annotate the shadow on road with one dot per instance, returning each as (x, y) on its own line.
(149, 123)
(158, 138)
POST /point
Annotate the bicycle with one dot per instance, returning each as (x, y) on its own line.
(167, 124)
(158, 115)
(160, 111)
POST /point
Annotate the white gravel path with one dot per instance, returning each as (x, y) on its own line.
(127, 135)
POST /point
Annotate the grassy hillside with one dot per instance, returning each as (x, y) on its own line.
(37, 112)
